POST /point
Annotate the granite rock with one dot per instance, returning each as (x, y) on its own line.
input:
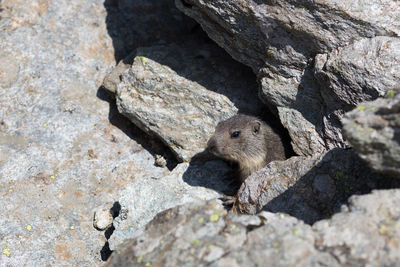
(204, 234)
(361, 71)
(143, 199)
(364, 233)
(373, 129)
(279, 41)
(64, 148)
(180, 96)
(310, 189)
(102, 218)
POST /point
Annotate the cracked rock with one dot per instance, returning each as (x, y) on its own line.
(179, 97)
(366, 232)
(309, 188)
(280, 39)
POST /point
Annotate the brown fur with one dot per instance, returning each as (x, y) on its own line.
(256, 145)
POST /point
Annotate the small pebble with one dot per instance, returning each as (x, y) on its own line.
(160, 161)
(102, 219)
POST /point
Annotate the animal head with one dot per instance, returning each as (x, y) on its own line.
(238, 139)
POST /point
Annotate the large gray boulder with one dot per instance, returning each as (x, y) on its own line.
(373, 129)
(180, 96)
(310, 189)
(279, 40)
(361, 71)
(366, 232)
(204, 234)
(144, 198)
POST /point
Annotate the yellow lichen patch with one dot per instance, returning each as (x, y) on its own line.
(214, 217)
(360, 107)
(390, 94)
(143, 60)
(200, 220)
(28, 227)
(282, 216)
(233, 226)
(72, 227)
(195, 242)
(45, 124)
(10, 190)
(139, 259)
(211, 246)
(148, 264)
(383, 230)
(7, 252)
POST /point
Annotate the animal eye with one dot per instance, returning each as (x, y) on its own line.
(235, 134)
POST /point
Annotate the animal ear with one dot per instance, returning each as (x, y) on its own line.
(255, 126)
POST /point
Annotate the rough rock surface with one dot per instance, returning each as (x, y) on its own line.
(309, 188)
(180, 96)
(279, 41)
(365, 233)
(373, 129)
(203, 234)
(142, 199)
(361, 71)
(58, 149)
(64, 149)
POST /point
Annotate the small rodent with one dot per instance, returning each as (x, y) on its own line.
(247, 141)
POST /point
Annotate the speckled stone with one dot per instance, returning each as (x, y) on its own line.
(364, 233)
(64, 148)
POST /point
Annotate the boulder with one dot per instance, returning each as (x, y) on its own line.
(373, 129)
(204, 234)
(310, 189)
(279, 40)
(180, 96)
(142, 199)
(366, 232)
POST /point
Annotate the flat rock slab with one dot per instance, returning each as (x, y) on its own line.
(373, 129)
(142, 199)
(178, 96)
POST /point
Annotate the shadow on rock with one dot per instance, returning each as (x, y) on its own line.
(105, 251)
(153, 145)
(207, 171)
(311, 189)
(167, 36)
(159, 31)
(135, 23)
